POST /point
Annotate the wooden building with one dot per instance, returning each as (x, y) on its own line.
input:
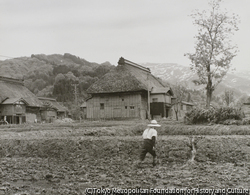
(182, 108)
(128, 91)
(83, 109)
(13, 110)
(17, 103)
(52, 110)
(160, 99)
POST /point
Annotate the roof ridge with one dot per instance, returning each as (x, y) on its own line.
(11, 80)
(123, 61)
(46, 98)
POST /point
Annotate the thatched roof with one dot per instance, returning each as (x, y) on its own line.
(53, 104)
(126, 77)
(2, 98)
(14, 88)
(14, 100)
(117, 80)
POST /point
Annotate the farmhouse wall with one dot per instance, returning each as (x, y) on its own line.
(32, 112)
(48, 116)
(30, 117)
(10, 109)
(13, 113)
(144, 106)
(7, 110)
(160, 98)
(116, 106)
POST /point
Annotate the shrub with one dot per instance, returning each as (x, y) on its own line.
(219, 115)
(246, 121)
(225, 113)
(197, 115)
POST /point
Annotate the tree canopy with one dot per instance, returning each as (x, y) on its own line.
(214, 50)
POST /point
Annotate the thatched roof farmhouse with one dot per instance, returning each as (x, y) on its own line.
(129, 91)
(18, 104)
(14, 88)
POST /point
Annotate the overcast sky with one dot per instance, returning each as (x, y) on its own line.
(157, 31)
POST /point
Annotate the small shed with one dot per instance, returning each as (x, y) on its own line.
(182, 108)
(52, 110)
(186, 106)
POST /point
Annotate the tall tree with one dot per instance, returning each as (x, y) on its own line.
(213, 50)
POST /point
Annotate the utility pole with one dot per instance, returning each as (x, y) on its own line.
(75, 91)
(149, 116)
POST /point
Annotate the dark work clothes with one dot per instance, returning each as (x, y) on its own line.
(148, 145)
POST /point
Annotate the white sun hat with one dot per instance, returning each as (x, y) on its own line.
(153, 123)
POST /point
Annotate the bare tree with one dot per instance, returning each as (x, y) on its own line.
(213, 50)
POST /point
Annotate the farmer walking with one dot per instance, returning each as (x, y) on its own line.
(149, 139)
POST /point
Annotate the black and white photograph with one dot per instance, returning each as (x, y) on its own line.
(129, 97)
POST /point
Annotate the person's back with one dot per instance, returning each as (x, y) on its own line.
(149, 133)
(149, 140)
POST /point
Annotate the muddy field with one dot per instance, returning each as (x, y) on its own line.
(70, 158)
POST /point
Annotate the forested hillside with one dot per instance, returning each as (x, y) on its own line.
(58, 76)
(55, 75)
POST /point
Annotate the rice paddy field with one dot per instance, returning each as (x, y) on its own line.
(100, 157)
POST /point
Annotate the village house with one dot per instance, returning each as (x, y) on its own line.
(52, 110)
(17, 103)
(128, 91)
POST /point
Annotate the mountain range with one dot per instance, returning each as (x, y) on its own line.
(236, 81)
